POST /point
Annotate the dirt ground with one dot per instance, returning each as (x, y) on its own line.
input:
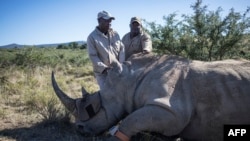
(63, 130)
(24, 129)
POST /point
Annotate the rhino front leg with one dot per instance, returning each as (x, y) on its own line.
(151, 118)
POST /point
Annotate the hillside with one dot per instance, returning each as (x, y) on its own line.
(14, 45)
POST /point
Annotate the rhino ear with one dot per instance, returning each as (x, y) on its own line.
(84, 92)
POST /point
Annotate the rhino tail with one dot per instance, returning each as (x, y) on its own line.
(68, 102)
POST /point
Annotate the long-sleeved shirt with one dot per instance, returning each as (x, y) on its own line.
(103, 48)
(141, 42)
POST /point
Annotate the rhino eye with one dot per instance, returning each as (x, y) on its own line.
(90, 111)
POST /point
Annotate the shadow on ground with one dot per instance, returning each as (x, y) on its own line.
(47, 130)
(64, 131)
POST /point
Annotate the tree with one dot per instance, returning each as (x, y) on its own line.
(205, 35)
(73, 45)
(60, 46)
(83, 46)
(166, 38)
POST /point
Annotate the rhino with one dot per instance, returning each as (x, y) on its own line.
(169, 95)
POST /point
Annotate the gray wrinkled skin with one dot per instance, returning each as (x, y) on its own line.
(170, 95)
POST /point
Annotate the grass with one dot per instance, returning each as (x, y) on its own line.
(27, 99)
(30, 109)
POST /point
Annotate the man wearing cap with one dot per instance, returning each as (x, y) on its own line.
(104, 45)
(137, 40)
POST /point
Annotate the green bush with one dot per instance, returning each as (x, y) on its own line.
(205, 35)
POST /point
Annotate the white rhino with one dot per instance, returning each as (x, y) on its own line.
(169, 95)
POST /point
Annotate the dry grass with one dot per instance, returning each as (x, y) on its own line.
(29, 108)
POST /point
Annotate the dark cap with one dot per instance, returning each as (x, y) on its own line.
(135, 19)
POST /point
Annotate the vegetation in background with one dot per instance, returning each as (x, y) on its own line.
(205, 35)
(72, 45)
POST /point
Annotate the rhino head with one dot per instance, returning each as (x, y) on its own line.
(95, 113)
(90, 117)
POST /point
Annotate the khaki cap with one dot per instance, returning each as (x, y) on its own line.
(105, 15)
(135, 19)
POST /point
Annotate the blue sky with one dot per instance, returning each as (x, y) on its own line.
(33, 22)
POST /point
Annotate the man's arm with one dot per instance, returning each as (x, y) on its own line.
(122, 53)
(146, 43)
